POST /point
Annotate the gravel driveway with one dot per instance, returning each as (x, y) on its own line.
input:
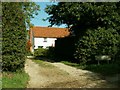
(59, 75)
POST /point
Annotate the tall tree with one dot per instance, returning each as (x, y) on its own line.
(85, 15)
(85, 19)
(30, 9)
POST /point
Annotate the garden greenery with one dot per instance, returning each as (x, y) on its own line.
(15, 18)
(41, 52)
(84, 20)
(97, 42)
(14, 37)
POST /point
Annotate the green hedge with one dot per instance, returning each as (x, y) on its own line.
(97, 42)
(40, 52)
(48, 53)
(14, 36)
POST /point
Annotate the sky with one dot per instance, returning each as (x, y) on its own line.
(37, 20)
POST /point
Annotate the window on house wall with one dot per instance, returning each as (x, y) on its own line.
(45, 39)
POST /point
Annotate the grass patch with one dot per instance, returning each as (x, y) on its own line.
(14, 79)
(70, 64)
(74, 65)
(105, 69)
(43, 63)
(50, 68)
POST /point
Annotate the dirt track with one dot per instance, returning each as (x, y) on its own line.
(58, 75)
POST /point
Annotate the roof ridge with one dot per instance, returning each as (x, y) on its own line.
(49, 27)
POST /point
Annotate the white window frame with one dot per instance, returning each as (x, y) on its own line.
(45, 40)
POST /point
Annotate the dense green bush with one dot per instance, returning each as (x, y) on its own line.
(14, 36)
(97, 42)
(51, 52)
(48, 53)
(40, 52)
(28, 53)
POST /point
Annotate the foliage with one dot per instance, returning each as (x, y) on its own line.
(14, 80)
(82, 16)
(41, 52)
(28, 53)
(105, 69)
(0, 32)
(0, 14)
(87, 17)
(15, 16)
(14, 37)
(50, 52)
(43, 63)
(71, 64)
(97, 42)
(30, 9)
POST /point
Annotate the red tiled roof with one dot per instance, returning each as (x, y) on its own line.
(50, 32)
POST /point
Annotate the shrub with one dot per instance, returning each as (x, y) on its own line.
(50, 52)
(28, 53)
(14, 37)
(97, 42)
(40, 52)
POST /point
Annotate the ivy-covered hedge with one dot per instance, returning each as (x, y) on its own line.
(97, 42)
(14, 36)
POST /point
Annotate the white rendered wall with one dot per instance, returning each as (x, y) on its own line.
(40, 42)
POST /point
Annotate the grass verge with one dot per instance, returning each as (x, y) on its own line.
(105, 69)
(14, 79)
(49, 68)
(43, 63)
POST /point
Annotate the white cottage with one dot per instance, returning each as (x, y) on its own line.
(43, 37)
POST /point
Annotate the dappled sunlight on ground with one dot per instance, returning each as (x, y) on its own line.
(54, 75)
